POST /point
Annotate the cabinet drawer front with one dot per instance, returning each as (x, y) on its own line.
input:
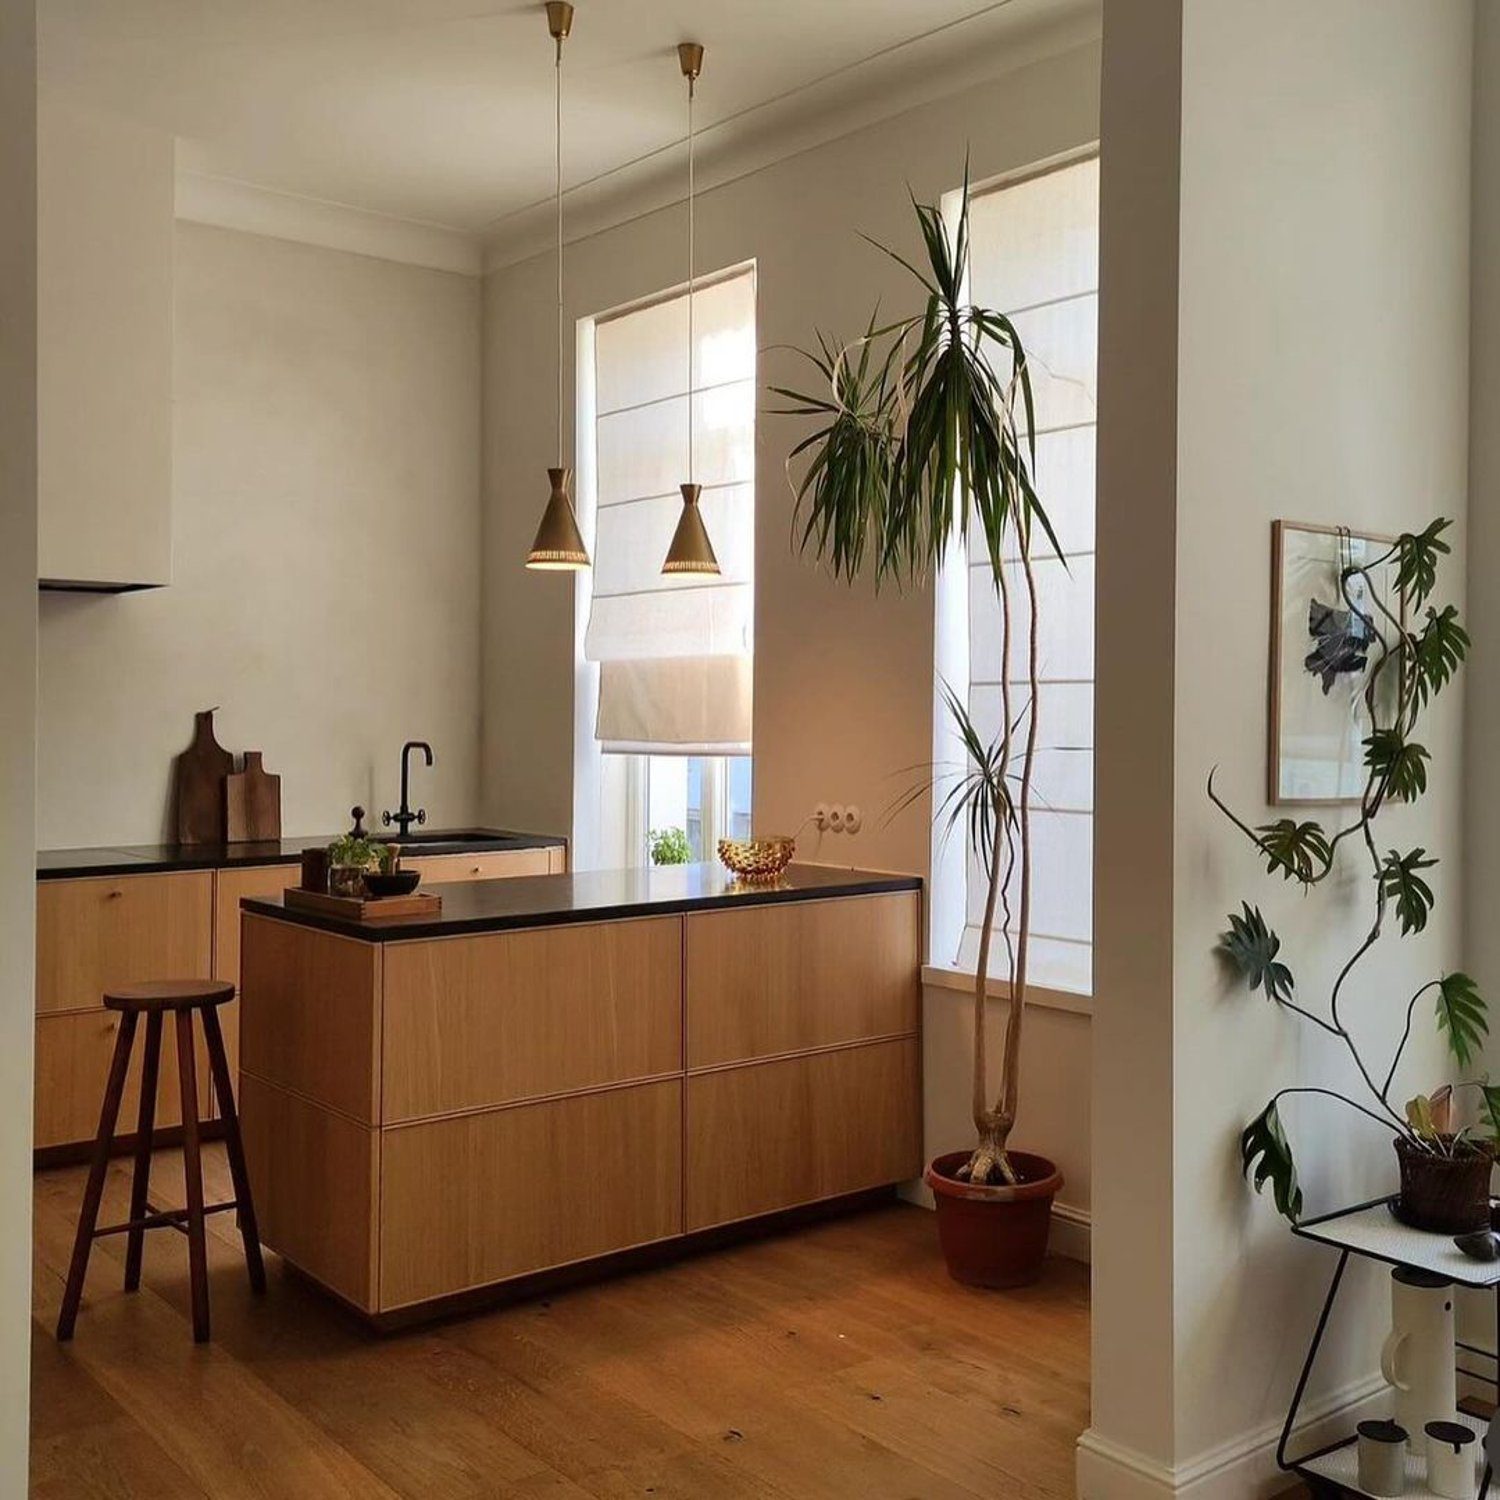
(229, 887)
(816, 1127)
(98, 932)
(73, 1053)
(309, 1017)
(481, 1198)
(313, 1178)
(777, 979)
(498, 864)
(477, 1021)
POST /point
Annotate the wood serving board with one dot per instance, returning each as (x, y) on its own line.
(366, 908)
(252, 802)
(201, 770)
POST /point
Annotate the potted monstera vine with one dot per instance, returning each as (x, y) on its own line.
(1445, 1140)
(926, 432)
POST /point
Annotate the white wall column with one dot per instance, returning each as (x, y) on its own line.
(1285, 334)
(17, 717)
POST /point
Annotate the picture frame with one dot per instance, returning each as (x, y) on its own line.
(1320, 662)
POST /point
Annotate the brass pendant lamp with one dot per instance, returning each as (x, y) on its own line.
(691, 551)
(559, 543)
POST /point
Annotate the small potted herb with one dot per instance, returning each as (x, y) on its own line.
(353, 855)
(669, 846)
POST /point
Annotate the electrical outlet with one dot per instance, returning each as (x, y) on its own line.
(835, 817)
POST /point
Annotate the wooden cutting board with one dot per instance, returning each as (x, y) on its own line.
(199, 775)
(252, 802)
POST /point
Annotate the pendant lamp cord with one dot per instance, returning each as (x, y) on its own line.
(692, 264)
(557, 93)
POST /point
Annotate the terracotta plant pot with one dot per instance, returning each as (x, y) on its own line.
(993, 1234)
(1446, 1194)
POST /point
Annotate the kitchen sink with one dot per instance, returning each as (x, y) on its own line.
(457, 840)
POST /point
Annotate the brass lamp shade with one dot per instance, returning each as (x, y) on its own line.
(691, 551)
(559, 543)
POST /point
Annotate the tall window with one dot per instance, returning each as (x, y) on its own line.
(674, 653)
(1034, 255)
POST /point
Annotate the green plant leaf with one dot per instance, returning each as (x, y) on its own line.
(1463, 1016)
(1399, 762)
(1418, 555)
(1253, 947)
(1265, 1157)
(1436, 653)
(1401, 882)
(1419, 1117)
(1490, 1107)
(1297, 851)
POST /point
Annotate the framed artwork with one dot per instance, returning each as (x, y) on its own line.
(1323, 647)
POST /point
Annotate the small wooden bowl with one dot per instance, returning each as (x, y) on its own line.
(760, 859)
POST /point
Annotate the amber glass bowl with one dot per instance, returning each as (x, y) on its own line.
(758, 859)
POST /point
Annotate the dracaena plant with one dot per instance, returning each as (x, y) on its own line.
(1415, 654)
(924, 432)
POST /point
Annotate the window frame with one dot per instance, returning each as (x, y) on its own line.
(604, 836)
(948, 868)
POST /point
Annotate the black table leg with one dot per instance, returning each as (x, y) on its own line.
(1282, 1462)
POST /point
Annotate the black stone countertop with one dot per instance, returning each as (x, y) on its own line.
(594, 896)
(142, 859)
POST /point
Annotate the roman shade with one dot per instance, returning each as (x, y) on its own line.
(674, 653)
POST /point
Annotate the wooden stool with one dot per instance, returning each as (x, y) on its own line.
(182, 997)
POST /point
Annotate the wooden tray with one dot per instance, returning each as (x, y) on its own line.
(366, 908)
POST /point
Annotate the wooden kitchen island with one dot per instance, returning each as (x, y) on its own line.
(565, 1067)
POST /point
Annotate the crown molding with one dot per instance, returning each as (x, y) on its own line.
(228, 203)
(921, 72)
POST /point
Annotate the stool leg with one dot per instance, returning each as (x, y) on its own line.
(140, 1182)
(192, 1173)
(88, 1214)
(218, 1063)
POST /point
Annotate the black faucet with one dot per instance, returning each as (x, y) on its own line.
(406, 817)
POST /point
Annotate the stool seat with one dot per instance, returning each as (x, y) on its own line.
(182, 999)
(169, 994)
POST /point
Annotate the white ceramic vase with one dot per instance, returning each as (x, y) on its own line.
(1418, 1357)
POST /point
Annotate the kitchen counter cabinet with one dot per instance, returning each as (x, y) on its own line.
(510, 1099)
(108, 916)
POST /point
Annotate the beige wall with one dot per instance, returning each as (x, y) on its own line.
(325, 527)
(1482, 868)
(1317, 370)
(17, 716)
(843, 679)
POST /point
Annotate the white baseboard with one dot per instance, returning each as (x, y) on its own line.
(1236, 1470)
(1072, 1228)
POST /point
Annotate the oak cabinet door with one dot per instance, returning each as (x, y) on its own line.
(73, 1053)
(480, 1198)
(496, 864)
(775, 979)
(772, 1135)
(102, 931)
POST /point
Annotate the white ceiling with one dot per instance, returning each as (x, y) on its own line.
(440, 111)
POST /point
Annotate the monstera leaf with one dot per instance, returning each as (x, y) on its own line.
(1297, 851)
(1437, 652)
(1416, 572)
(1400, 882)
(1399, 762)
(1253, 948)
(1266, 1157)
(1463, 1016)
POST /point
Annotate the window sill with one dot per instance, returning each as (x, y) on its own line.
(946, 977)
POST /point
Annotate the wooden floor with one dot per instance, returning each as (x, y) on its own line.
(836, 1361)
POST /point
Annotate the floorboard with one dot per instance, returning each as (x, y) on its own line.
(833, 1361)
